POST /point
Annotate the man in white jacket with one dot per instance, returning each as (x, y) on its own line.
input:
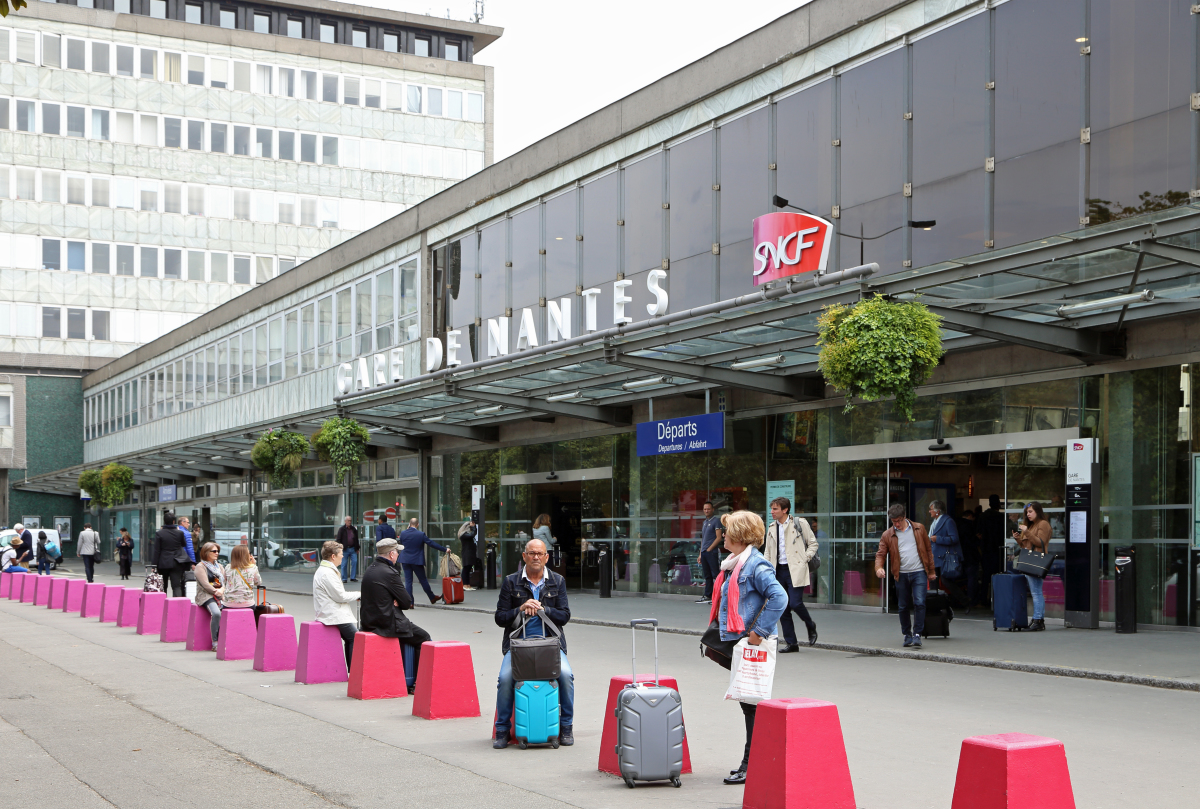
(789, 546)
(331, 602)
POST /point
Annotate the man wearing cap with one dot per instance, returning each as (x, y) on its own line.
(10, 558)
(384, 599)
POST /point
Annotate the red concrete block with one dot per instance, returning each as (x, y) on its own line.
(41, 591)
(608, 737)
(150, 614)
(376, 668)
(110, 604)
(93, 598)
(29, 587)
(275, 644)
(237, 635)
(73, 601)
(446, 681)
(320, 656)
(173, 626)
(1011, 771)
(798, 758)
(129, 606)
(6, 579)
(199, 633)
(58, 593)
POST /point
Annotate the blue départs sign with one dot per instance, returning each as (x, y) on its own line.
(688, 434)
(166, 494)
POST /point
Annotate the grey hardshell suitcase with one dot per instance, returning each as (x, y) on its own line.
(649, 725)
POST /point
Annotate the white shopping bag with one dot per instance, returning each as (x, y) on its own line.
(753, 671)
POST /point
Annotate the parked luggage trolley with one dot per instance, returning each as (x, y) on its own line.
(650, 729)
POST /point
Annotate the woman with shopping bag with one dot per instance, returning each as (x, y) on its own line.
(747, 603)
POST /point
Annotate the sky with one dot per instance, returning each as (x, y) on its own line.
(560, 60)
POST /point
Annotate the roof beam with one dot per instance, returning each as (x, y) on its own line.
(1171, 252)
(488, 435)
(798, 389)
(1087, 345)
(231, 465)
(614, 416)
(415, 442)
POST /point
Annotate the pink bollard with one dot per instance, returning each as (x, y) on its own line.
(320, 656)
(1011, 771)
(445, 681)
(5, 584)
(150, 613)
(16, 583)
(73, 601)
(798, 757)
(41, 591)
(93, 599)
(237, 635)
(173, 628)
(275, 643)
(199, 637)
(58, 593)
(129, 607)
(29, 587)
(110, 605)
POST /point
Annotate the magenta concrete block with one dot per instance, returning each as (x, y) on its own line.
(93, 599)
(110, 605)
(41, 592)
(275, 644)
(320, 656)
(29, 587)
(237, 635)
(173, 628)
(150, 613)
(58, 593)
(73, 601)
(199, 637)
(5, 584)
(129, 606)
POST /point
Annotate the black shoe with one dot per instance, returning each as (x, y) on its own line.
(412, 689)
(354, 580)
(736, 778)
(703, 600)
(1038, 625)
(789, 647)
(500, 741)
(812, 636)
(565, 737)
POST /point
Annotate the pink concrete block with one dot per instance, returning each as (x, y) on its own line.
(129, 607)
(150, 613)
(110, 605)
(29, 587)
(237, 634)
(14, 590)
(41, 592)
(275, 644)
(174, 624)
(58, 593)
(798, 758)
(320, 655)
(1010, 771)
(5, 584)
(199, 636)
(73, 601)
(93, 598)
(445, 681)
(376, 668)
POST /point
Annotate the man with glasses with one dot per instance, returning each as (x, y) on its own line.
(906, 548)
(530, 591)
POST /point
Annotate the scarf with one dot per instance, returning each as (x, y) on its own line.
(733, 618)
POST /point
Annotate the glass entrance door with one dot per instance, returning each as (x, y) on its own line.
(859, 518)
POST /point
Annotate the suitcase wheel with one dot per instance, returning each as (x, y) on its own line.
(628, 781)
(675, 782)
(554, 743)
(523, 745)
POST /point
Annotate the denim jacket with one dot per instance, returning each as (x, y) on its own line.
(756, 583)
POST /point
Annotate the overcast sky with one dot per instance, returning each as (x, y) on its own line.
(562, 59)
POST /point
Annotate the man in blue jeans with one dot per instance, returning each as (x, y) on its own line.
(710, 550)
(529, 591)
(905, 549)
(412, 557)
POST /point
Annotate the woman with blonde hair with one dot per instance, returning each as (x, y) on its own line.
(747, 600)
(210, 585)
(241, 578)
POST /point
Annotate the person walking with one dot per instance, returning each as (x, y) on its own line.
(748, 600)
(385, 598)
(170, 551)
(185, 525)
(210, 586)
(991, 543)
(905, 546)
(88, 549)
(1034, 535)
(944, 539)
(331, 602)
(789, 545)
(710, 550)
(242, 579)
(43, 559)
(412, 542)
(347, 537)
(468, 533)
(125, 554)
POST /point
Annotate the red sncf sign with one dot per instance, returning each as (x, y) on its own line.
(788, 243)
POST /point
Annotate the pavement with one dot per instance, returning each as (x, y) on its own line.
(95, 715)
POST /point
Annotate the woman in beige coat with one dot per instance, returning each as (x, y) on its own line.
(789, 546)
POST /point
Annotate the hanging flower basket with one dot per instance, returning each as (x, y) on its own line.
(280, 453)
(90, 481)
(116, 482)
(877, 348)
(342, 442)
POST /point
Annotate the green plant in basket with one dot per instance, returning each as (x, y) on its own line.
(342, 442)
(279, 453)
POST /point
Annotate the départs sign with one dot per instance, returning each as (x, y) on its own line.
(787, 243)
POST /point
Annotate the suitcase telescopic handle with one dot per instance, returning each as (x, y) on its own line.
(633, 625)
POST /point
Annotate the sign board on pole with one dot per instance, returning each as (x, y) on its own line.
(780, 488)
(166, 494)
(477, 496)
(1081, 453)
(687, 434)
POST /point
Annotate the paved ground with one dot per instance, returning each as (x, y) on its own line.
(93, 715)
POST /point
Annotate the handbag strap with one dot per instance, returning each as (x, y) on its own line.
(545, 622)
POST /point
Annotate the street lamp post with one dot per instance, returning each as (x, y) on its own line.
(924, 224)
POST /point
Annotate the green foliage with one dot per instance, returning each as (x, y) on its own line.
(877, 349)
(343, 443)
(279, 453)
(116, 481)
(90, 481)
(1101, 211)
(5, 7)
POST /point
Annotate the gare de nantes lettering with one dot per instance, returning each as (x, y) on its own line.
(788, 243)
(688, 434)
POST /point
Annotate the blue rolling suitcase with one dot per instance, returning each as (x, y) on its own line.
(1008, 601)
(536, 713)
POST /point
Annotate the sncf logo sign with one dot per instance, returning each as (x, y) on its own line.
(788, 243)
(1077, 447)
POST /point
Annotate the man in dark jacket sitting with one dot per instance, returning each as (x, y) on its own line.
(528, 591)
(384, 600)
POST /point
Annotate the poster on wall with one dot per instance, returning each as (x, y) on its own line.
(780, 488)
(63, 526)
(32, 523)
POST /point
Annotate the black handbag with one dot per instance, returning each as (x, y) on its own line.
(1033, 563)
(535, 658)
(721, 651)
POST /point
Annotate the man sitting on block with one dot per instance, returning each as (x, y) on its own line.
(384, 600)
(532, 589)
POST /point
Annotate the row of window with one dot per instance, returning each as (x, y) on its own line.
(369, 315)
(118, 325)
(202, 70)
(169, 132)
(171, 263)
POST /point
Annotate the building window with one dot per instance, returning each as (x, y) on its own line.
(76, 122)
(149, 64)
(124, 60)
(241, 268)
(329, 150)
(262, 23)
(76, 324)
(172, 263)
(51, 254)
(287, 145)
(196, 200)
(26, 116)
(191, 13)
(76, 54)
(358, 38)
(216, 138)
(172, 133)
(195, 135)
(241, 206)
(350, 91)
(295, 28)
(76, 256)
(308, 148)
(149, 196)
(434, 101)
(99, 57)
(99, 325)
(263, 139)
(172, 198)
(51, 50)
(421, 47)
(26, 48)
(452, 52)
(100, 125)
(195, 74)
(195, 265)
(52, 322)
(125, 259)
(50, 119)
(391, 42)
(474, 107)
(149, 262)
(218, 73)
(76, 191)
(454, 108)
(287, 82)
(100, 259)
(329, 88)
(373, 93)
(158, 9)
(414, 98)
(241, 140)
(5, 411)
(228, 18)
(51, 186)
(328, 32)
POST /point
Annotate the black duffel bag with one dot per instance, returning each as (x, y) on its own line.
(535, 658)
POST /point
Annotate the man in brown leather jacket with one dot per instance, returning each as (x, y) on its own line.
(906, 548)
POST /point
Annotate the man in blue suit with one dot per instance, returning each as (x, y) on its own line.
(412, 558)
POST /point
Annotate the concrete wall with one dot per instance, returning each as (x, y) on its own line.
(53, 418)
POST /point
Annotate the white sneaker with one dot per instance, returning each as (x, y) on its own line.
(467, 587)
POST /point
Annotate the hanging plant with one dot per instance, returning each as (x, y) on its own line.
(279, 453)
(116, 482)
(877, 348)
(343, 443)
(91, 481)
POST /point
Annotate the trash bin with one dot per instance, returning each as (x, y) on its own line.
(1126, 590)
(490, 576)
(606, 575)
